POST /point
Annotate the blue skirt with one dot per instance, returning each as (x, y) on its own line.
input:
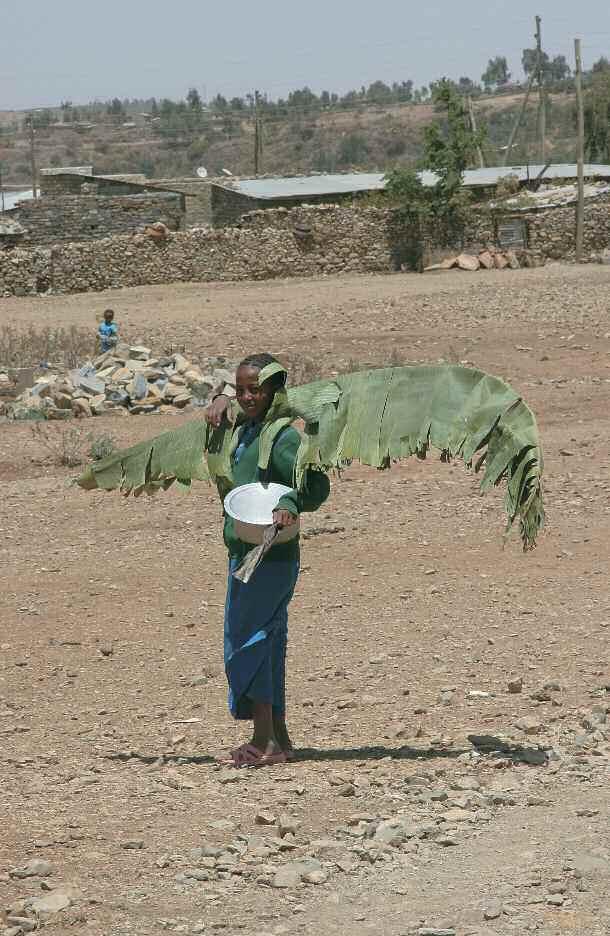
(256, 635)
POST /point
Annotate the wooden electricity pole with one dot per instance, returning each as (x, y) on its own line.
(541, 101)
(580, 204)
(33, 168)
(519, 119)
(473, 127)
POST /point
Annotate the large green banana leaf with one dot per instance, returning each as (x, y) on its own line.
(375, 417)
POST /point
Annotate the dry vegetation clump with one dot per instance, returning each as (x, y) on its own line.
(34, 346)
(69, 446)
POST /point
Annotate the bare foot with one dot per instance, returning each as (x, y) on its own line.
(282, 737)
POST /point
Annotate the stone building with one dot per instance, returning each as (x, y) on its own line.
(65, 218)
(232, 198)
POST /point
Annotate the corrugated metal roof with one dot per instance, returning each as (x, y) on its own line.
(11, 198)
(67, 170)
(302, 186)
(351, 182)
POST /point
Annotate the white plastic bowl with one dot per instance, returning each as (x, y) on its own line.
(251, 506)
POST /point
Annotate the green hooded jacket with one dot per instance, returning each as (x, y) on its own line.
(281, 471)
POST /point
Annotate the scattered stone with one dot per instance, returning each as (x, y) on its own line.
(53, 902)
(132, 844)
(394, 832)
(290, 875)
(264, 817)
(493, 910)
(515, 686)
(555, 900)
(433, 931)
(319, 876)
(287, 825)
(529, 725)
(20, 924)
(37, 867)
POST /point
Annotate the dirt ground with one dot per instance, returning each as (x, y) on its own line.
(426, 798)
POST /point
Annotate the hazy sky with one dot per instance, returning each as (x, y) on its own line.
(52, 50)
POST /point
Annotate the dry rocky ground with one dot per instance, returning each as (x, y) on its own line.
(428, 797)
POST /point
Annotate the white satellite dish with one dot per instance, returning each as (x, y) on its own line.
(202, 172)
(227, 172)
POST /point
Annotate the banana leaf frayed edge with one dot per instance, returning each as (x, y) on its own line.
(376, 417)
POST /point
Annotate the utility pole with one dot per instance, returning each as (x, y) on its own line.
(541, 101)
(258, 136)
(473, 127)
(34, 170)
(580, 204)
(519, 119)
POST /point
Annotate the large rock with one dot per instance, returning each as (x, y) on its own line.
(92, 385)
(139, 353)
(468, 262)
(292, 874)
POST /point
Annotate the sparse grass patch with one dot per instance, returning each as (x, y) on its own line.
(63, 443)
(70, 446)
(33, 346)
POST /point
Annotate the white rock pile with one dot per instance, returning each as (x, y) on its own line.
(124, 380)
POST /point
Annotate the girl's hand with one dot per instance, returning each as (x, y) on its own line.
(215, 412)
(283, 518)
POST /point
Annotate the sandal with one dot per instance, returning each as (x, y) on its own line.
(250, 756)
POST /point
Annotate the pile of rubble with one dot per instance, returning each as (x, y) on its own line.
(123, 380)
(489, 259)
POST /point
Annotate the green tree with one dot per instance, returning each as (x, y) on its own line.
(529, 61)
(353, 150)
(558, 69)
(449, 146)
(468, 87)
(115, 109)
(496, 74)
(379, 93)
(193, 99)
(597, 115)
(403, 92)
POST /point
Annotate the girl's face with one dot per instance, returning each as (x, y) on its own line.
(254, 400)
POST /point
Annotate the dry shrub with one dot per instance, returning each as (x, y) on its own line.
(63, 443)
(68, 445)
(33, 346)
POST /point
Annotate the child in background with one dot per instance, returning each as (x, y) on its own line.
(108, 332)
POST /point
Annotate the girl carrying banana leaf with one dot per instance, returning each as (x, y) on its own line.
(256, 613)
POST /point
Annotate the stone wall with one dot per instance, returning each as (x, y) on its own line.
(305, 241)
(552, 233)
(88, 217)
(336, 240)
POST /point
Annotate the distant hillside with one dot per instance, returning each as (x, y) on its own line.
(366, 137)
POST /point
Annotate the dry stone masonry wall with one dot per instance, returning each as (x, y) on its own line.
(551, 233)
(304, 241)
(68, 218)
